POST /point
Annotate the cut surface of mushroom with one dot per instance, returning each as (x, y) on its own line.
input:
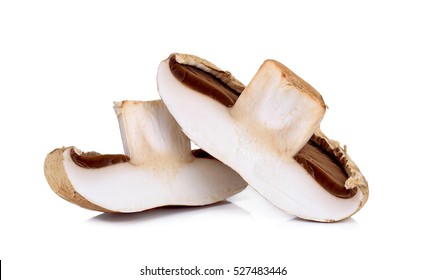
(158, 167)
(268, 132)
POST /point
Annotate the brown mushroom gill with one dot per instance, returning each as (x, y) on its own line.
(203, 82)
(96, 160)
(322, 165)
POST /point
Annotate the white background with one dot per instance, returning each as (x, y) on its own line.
(62, 63)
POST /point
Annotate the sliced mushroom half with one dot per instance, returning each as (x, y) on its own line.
(268, 132)
(158, 167)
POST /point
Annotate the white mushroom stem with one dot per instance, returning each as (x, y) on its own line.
(149, 132)
(279, 110)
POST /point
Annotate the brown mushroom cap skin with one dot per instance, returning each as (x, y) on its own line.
(316, 156)
(58, 181)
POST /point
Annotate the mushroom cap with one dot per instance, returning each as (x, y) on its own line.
(126, 188)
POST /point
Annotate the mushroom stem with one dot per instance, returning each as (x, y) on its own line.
(279, 108)
(149, 132)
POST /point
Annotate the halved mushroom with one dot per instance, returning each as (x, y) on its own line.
(268, 132)
(158, 169)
